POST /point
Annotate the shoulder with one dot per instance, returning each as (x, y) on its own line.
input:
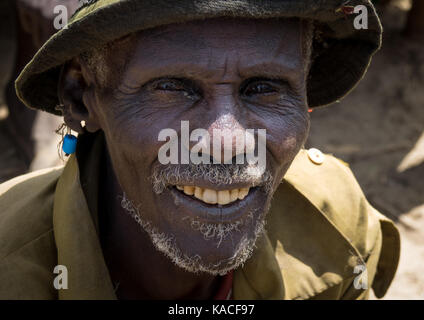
(323, 176)
(329, 184)
(26, 204)
(27, 245)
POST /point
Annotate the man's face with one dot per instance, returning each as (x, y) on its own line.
(216, 74)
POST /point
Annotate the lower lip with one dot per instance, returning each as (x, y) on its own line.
(231, 212)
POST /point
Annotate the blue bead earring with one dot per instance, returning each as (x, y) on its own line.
(69, 143)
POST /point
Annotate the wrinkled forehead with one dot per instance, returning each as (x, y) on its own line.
(223, 33)
(207, 45)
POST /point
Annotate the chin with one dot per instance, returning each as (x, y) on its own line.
(200, 245)
(216, 249)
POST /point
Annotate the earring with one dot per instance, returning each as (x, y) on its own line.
(69, 143)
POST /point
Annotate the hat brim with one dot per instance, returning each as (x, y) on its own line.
(341, 57)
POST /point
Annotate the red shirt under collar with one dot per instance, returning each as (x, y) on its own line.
(226, 288)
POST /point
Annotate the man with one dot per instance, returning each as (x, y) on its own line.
(121, 223)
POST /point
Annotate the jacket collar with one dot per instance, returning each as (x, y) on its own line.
(75, 229)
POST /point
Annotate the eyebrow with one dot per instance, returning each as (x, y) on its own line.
(271, 70)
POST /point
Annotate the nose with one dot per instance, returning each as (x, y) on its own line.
(229, 139)
(226, 138)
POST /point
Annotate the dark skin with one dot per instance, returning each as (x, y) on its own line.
(233, 74)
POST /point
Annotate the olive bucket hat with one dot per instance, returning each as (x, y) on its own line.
(341, 52)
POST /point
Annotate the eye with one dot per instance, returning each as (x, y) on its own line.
(169, 85)
(258, 87)
(185, 87)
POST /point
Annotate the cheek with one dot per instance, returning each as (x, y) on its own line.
(132, 145)
(286, 135)
(133, 134)
(133, 152)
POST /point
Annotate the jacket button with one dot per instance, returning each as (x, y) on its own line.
(316, 156)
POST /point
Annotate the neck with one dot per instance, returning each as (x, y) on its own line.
(137, 269)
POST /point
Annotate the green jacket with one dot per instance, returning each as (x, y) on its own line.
(320, 231)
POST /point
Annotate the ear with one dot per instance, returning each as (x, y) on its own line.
(74, 94)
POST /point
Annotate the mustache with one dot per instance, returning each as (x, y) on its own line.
(220, 174)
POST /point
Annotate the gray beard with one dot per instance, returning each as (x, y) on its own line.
(167, 244)
(172, 175)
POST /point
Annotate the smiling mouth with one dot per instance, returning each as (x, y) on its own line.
(211, 205)
(217, 197)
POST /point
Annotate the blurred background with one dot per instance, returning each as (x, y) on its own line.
(378, 129)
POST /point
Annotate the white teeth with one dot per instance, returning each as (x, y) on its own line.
(234, 195)
(198, 193)
(210, 196)
(224, 197)
(243, 193)
(189, 190)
